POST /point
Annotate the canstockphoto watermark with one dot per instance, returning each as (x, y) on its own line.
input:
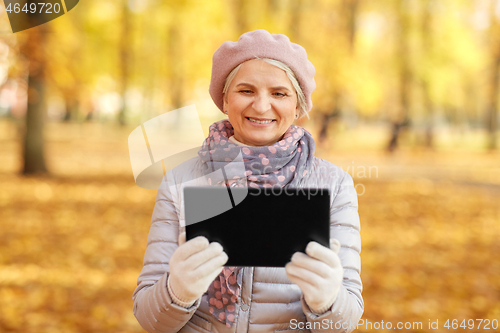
(288, 191)
(329, 173)
(26, 14)
(160, 144)
(329, 325)
(361, 171)
(431, 324)
(325, 170)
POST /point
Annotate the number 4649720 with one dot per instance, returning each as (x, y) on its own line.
(34, 8)
(485, 324)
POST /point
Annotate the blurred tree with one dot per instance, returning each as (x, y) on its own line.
(33, 51)
(340, 34)
(67, 72)
(492, 102)
(125, 58)
(296, 8)
(402, 117)
(425, 80)
(177, 32)
(241, 10)
(351, 9)
(176, 70)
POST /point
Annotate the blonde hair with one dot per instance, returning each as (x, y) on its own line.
(301, 99)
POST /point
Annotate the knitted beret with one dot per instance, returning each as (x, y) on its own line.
(262, 44)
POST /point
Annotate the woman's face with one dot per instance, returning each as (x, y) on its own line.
(261, 103)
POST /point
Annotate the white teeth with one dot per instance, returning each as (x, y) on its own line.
(260, 121)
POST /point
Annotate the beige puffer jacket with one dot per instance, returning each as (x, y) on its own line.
(269, 302)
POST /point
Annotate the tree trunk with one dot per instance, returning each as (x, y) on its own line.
(71, 108)
(492, 103)
(427, 45)
(429, 118)
(325, 123)
(344, 32)
(351, 10)
(176, 66)
(396, 130)
(124, 60)
(402, 119)
(241, 16)
(296, 8)
(33, 51)
(492, 111)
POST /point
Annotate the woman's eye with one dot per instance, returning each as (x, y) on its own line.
(279, 94)
(245, 91)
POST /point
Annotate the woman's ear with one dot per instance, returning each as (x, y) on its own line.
(224, 100)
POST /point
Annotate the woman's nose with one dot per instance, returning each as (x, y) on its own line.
(261, 103)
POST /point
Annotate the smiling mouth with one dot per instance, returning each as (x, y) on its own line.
(258, 121)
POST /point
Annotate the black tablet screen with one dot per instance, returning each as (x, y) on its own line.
(256, 226)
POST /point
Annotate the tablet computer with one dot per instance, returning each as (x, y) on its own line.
(258, 226)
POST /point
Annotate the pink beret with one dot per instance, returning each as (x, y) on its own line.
(262, 44)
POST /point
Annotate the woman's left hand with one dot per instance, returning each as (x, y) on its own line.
(318, 274)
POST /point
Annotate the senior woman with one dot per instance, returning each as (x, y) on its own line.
(263, 83)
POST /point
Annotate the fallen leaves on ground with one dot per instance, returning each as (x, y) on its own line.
(71, 245)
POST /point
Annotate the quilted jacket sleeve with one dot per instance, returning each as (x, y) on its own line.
(153, 306)
(345, 227)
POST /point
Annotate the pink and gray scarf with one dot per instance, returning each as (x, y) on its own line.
(284, 163)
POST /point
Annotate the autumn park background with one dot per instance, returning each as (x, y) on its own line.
(407, 103)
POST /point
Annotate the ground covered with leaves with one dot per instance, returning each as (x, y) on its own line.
(71, 244)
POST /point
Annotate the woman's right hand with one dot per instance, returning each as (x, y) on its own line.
(193, 267)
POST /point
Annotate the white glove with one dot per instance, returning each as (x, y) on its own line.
(318, 274)
(193, 267)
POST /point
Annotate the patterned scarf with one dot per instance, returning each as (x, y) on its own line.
(284, 163)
